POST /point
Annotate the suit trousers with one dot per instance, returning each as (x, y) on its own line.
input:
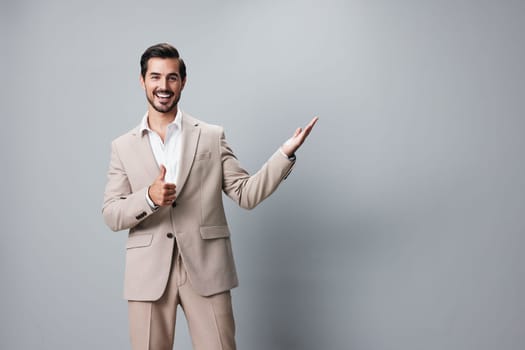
(210, 319)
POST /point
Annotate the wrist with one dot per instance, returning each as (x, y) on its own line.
(151, 204)
(287, 154)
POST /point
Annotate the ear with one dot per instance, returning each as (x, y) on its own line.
(183, 83)
(141, 78)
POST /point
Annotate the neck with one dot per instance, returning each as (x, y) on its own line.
(159, 121)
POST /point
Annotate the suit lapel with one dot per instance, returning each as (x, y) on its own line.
(189, 141)
(144, 154)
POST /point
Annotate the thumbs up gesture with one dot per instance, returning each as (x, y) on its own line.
(162, 193)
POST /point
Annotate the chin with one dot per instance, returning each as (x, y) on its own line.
(164, 109)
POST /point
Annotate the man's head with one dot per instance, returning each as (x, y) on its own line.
(163, 75)
(163, 50)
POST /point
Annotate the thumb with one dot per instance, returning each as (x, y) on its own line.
(162, 172)
(297, 132)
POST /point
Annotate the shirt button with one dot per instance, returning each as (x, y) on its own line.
(169, 235)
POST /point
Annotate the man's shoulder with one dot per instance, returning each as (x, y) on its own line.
(128, 136)
(204, 126)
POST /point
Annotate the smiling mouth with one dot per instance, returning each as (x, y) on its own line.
(163, 94)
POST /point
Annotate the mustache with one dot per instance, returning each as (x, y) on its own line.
(163, 92)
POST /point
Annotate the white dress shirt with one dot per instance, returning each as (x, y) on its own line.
(166, 153)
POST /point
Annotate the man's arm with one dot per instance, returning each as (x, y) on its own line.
(122, 208)
(248, 191)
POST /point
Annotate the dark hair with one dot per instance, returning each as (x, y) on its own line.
(163, 50)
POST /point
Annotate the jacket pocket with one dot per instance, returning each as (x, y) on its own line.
(212, 232)
(202, 156)
(137, 241)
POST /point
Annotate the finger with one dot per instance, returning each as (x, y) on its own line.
(169, 185)
(297, 132)
(312, 123)
(162, 172)
(168, 194)
(168, 202)
(310, 126)
(170, 199)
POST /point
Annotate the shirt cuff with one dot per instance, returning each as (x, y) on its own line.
(152, 205)
(291, 158)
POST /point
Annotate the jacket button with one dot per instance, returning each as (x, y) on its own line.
(174, 204)
(169, 235)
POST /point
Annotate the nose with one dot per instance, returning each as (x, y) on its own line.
(164, 83)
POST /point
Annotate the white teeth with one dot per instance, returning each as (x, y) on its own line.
(163, 95)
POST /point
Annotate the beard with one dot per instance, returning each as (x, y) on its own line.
(160, 107)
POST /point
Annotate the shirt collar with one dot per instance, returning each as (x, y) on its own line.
(144, 126)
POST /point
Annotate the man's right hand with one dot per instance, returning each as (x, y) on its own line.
(161, 192)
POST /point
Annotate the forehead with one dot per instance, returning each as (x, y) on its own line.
(163, 65)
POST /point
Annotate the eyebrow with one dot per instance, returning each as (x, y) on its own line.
(169, 74)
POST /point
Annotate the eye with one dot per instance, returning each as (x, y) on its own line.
(173, 78)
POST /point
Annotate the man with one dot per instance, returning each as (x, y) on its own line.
(165, 184)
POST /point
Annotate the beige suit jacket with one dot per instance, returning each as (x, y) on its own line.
(207, 167)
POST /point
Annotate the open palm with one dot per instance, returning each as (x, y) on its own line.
(294, 142)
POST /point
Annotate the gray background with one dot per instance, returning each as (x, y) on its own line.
(402, 226)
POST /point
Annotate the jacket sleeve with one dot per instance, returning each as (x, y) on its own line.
(250, 190)
(122, 208)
